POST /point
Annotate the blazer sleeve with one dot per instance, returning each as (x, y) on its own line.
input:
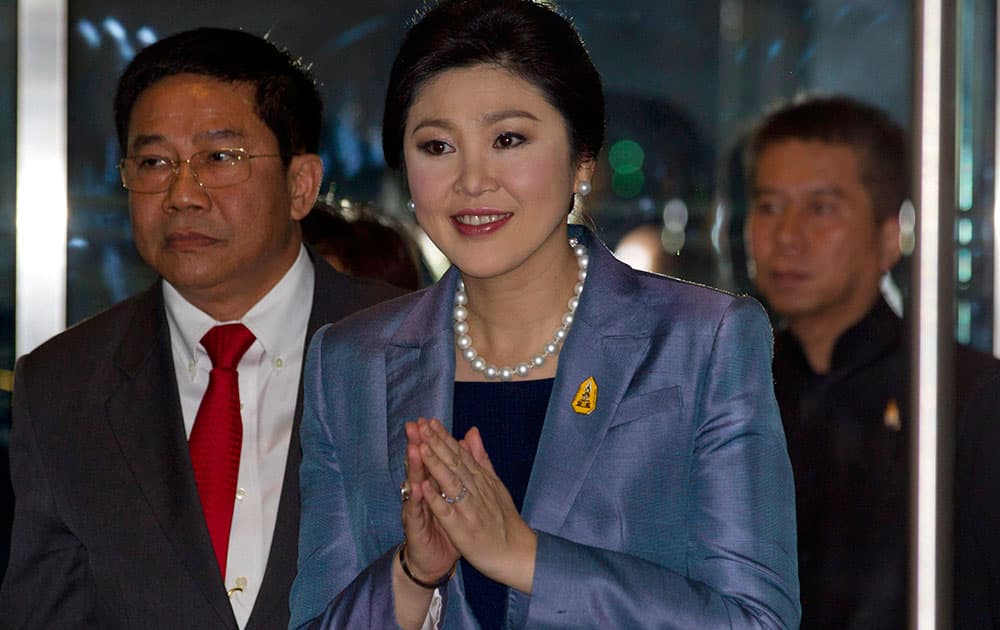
(47, 583)
(741, 542)
(332, 546)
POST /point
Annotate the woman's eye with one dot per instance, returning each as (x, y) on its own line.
(508, 140)
(436, 147)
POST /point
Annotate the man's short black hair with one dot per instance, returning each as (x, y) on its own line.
(879, 142)
(287, 100)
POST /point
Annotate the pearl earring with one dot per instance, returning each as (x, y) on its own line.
(583, 188)
(412, 207)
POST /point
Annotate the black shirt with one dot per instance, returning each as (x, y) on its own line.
(848, 440)
(509, 416)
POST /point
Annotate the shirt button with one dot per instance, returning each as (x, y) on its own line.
(242, 405)
(279, 363)
(241, 494)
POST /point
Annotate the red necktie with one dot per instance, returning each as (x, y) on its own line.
(217, 435)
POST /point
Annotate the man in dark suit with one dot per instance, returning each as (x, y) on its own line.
(827, 177)
(144, 497)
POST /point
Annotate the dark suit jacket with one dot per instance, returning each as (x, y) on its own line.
(108, 530)
(977, 513)
(667, 505)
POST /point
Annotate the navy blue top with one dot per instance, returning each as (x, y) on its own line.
(509, 416)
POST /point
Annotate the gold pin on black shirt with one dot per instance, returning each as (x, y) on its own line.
(890, 418)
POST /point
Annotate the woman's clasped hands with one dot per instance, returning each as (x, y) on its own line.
(455, 507)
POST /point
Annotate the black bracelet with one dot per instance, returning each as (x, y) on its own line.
(418, 581)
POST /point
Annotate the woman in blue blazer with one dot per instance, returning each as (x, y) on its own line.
(465, 466)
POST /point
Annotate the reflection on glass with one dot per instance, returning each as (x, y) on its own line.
(976, 182)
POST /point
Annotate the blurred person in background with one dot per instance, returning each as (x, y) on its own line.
(364, 243)
(826, 179)
(642, 249)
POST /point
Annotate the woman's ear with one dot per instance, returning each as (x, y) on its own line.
(584, 173)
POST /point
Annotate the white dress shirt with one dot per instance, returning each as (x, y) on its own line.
(269, 385)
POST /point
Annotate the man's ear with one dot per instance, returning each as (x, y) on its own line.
(889, 253)
(305, 175)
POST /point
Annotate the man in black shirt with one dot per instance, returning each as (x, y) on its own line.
(827, 177)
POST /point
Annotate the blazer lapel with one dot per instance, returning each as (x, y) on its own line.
(145, 415)
(420, 369)
(608, 341)
(420, 377)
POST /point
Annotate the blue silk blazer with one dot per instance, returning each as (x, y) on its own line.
(669, 505)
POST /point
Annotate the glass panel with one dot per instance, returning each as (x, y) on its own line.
(8, 103)
(974, 227)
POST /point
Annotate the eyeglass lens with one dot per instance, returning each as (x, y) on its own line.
(212, 169)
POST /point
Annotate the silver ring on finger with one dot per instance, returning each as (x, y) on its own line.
(404, 492)
(464, 492)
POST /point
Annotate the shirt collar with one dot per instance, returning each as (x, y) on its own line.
(278, 320)
(874, 335)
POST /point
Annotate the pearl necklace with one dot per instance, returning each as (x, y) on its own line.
(464, 342)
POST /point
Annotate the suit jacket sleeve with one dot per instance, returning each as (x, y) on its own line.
(47, 584)
(332, 544)
(741, 545)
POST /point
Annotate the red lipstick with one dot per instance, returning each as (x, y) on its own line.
(480, 222)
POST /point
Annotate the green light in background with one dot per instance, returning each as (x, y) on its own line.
(627, 185)
(626, 157)
(965, 231)
(965, 176)
(964, 265)
(963, 322)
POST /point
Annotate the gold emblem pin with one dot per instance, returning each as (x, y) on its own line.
(891, 416)
(585, 400)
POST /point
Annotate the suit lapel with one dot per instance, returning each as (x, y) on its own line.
(608, 341)
(570, 440)
(145, 415)
(420, 378)
(420, 369)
